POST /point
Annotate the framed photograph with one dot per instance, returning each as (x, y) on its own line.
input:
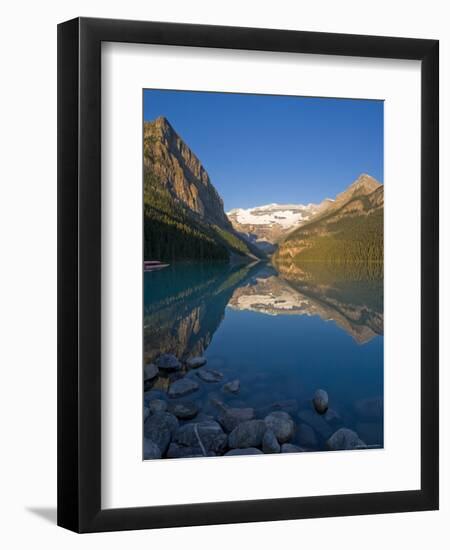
(248, 275)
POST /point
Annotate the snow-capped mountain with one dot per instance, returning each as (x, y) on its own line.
(266, 225)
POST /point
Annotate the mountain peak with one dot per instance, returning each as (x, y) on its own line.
(365, 183)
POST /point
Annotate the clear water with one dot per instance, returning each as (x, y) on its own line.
(282, 331)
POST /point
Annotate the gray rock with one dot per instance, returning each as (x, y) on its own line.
(152, 394)
(146, 412)
(179, 451)
(207, 435)
(184, 411)
(168, 362)
(306, 436)
(208, 375)
(232, 387)
(151, 371)
(181, 387)
(316, 422)
(320, 401)
(160, 427)
(344, 440)
(232, 417)
(281, 424)
(196, 362)
(157, 405)
(247, 434)
(270, 443)
(289, 448)
(247, 451)
(151, 449)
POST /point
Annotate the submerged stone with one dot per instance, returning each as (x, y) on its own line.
(344, 440)
(320, 401)
(181, 387)
(208, 375)
(247, 434)
(281, 424)
(196, 362)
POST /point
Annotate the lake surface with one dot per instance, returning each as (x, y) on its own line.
(283, 332)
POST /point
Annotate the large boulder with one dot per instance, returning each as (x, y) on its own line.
(270, 443)
(185, 410)
(151, 371)
(182, 387)
(281, 424)
(207, 435)
(157, 405)
(168, 363)
(320, 401)
(151, 449)
(233, 416)
(247, 434)
(159, 428)
(344, 440)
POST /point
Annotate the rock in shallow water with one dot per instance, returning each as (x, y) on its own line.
(181, 387)
(247, 451)
(232, 417)
(159, 428)
(320, 401)
(157, 405)
(184, 411)
(151, 371)
(196, 362)
(232, 387)
(247, 434)
(208, 375)
(168, 362)
(270, 443)
(151, 449)
(207, 435)
(344, 440)
(281, 424)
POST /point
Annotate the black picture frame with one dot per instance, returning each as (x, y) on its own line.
(79, 274)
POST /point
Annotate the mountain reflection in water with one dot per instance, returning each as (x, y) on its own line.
(283, 331)
(185, 303)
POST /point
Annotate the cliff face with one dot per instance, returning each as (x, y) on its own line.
(180, 172)
(184, 217)
(349, 230)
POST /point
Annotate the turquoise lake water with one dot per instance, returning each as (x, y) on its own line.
(283, 332)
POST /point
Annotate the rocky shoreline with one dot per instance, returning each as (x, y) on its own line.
(177, 426)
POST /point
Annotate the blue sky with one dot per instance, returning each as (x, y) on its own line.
(260, 149)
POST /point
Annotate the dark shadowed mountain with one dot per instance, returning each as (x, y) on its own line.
(184, 217)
